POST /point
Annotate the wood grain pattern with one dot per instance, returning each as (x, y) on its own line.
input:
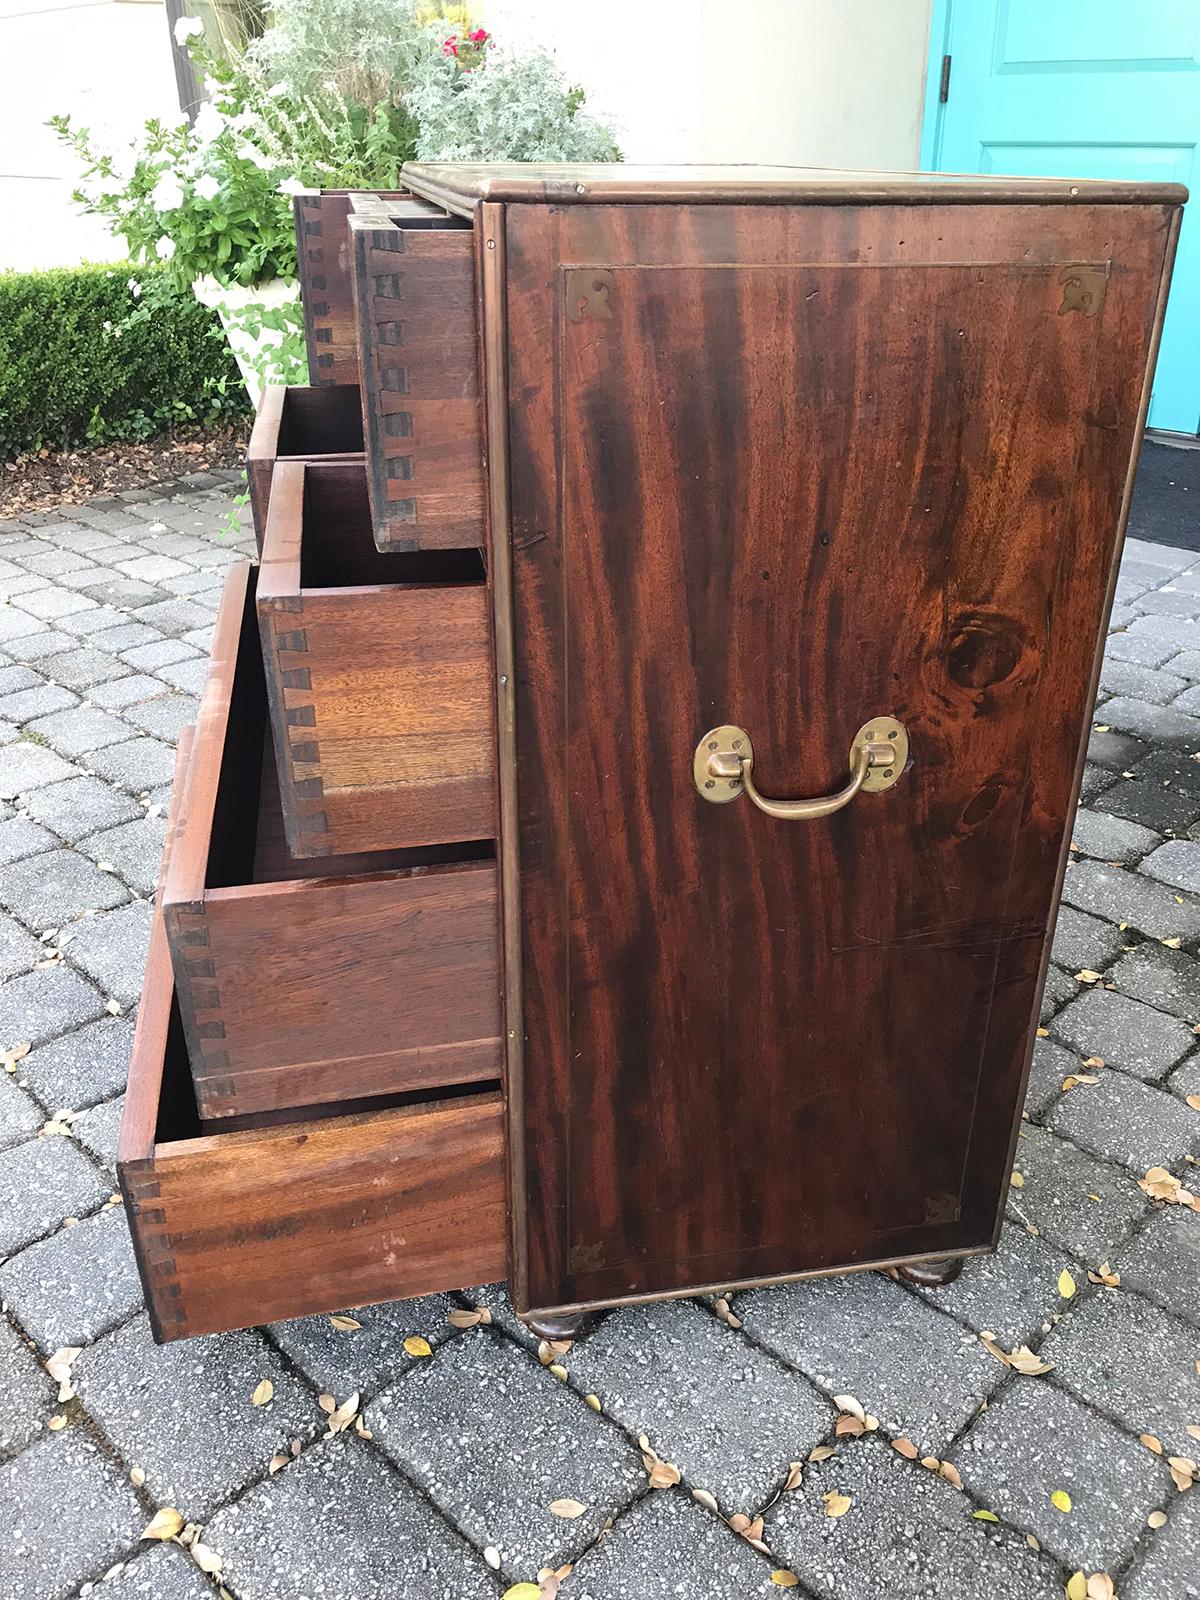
(236, 1229)
(305, 424)
(415, 297)
(379, 677)
(379, 977)
(792, 467)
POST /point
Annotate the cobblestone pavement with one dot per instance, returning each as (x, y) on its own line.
(447, 1494)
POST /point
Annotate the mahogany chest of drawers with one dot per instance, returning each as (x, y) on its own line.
(677, 691)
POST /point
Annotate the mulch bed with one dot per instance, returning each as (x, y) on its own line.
(68, 477)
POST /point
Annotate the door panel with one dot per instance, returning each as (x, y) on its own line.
(809, 469)
(1110, 92)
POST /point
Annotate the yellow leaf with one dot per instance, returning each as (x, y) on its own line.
(1088, 976)
(558, 1370)
(164, 1524)
(523, 1591)
(1066, 1284)
(567, 1509)
(262, 1393)
(1157, 1519)
(985, 1516)
(55, 1423)
(1043, 1033)
(344, 1324)
(592, 1400)
(1077, 1587)
(1172, 944)
(784, 1578)
(1016, 1179)
(416, 1346)
(1061, 1501)
(836, 1505)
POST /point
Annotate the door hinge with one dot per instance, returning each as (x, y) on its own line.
(944, 85)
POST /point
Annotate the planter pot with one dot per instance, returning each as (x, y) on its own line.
(264, 327)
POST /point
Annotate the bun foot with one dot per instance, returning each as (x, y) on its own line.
(568, 1327)
(932, 1274)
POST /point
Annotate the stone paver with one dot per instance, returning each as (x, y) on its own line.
(655, 1369)
(67, 1515)
(1165, 979)
(1124, 1033)
(1012, 1293)
(82, 1067)
(52, 888)
(1163, 1261)
(46, 1180)
(345, 1361)
(908, 1535)
(184, 1411)
(27, 1390)
(75, 1285)
(1036, 1440)
(339, 1523)
(494, 1438)
(1132, 1361)
(920, 1372)
(1128, 1122)
(1074, 1201)
(102, 653)
(666, 1548)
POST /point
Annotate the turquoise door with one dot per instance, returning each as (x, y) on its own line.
(1105, 89)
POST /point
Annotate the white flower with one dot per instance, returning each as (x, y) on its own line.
(167, 194)
(206, 187)
(251, 153)
(278, 90)
(164, 248)
(107, 326)
(187, 28)
(135, 288)
(291, 186)
(209, 122)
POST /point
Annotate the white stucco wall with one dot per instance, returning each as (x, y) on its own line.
(814, 82)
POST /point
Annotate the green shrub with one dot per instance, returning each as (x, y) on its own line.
(107, 352)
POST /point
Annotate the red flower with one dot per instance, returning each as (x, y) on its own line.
(450, 46)
(480, 36)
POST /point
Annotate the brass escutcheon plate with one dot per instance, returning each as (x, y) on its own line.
(717, 763)
(723, 745)
(874, 735)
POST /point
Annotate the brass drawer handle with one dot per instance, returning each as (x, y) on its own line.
(723, 767)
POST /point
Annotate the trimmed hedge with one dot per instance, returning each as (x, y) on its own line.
(107, 352)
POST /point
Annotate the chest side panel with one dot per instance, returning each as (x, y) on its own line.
(807, 467)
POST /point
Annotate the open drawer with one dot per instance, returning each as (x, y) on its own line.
(379, 675)
(289, 1218)
(304, 983)
(298, 423)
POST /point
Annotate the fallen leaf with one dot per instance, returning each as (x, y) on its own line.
(985, 1516)
(1157, 1519)
(1183, 1472)
(327, 1403)
(1061, 1501)
(1104, 1274)
(1087, 976)
(557, 1370)
(207, 1560)
(57, 1422)
(262, 1393)
(1032, 1542)
(1151, 1442)
(492, 1556)
(784, 1578)
(592, 1400)
(1160, 1184)
(1193, 1100)
(847, 1426)
(277, 1464)
(1172, 944)
(794, 1477)
(137, 1477)
(467, 1319)
(822, 1452)
(1100, 1587)
(567, 1509)
(341, 1418)
(1066, 1284)
(836, 1505)
(906, 1448)
(705, 1499)
(1016, 1180)
(949, 1471)
(852, 1407)
(1193, 1430)
(345, 1324)
(1077, 1587)
(165, 1524)
(415, 1345)
(523, 1591)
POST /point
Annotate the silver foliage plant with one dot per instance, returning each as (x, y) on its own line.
(471, 101)
(516, 108)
